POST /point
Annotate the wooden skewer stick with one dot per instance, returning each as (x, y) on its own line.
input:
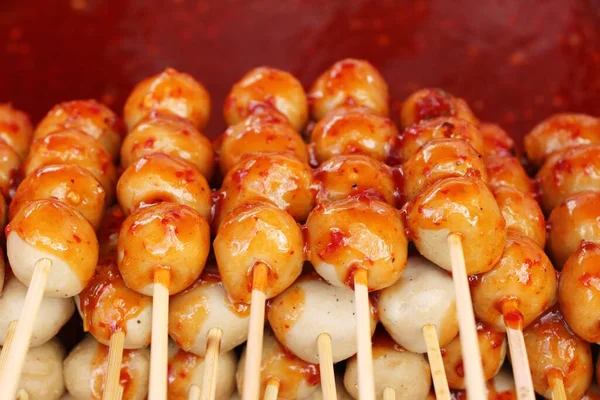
(16, 352)
(160, 337)
(474, 378)
(436, 364)
(10, 333)
(112, 378)
(194, 393)
(326, 367)
(557, 386)
(254, 345)
(120, 392)
(211, 360)
(366, 386)
(272, 389)
(389, 394)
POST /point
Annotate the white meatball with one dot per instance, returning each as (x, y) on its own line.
(310, 307)
(424, 294)
(53, 314)
(86, 365)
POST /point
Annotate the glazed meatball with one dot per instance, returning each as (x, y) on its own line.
(15, 129)
(169, 91)
(108, 233)
(496, 141)
(349, 82)
(267, 87)
(508, 171)
(10, 170)
(425, 104)
(560, 132)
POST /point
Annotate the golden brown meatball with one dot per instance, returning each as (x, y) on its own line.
(560, 132)
(68, 183)
(349, 82)
(267, 87)
(15, 129)
(164, 235)
(427, 104)
(354, 130)
(496, 141)
(555, 351)
(508, 171)
(520, 287)
(88, 116)
(279, 178)
(157, 177)
(565, 173)
(457, 205)
(349, 175)
(259, 134)
(521, 212)
(438, 159)
(419, 134)
(253, 233)
(171, 135)
(357, 232)
(10, 170)
(108, 233)
(170, 91)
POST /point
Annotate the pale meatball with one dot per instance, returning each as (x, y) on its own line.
(425, 104)
(67, 183)
(253, 233)
(165, 235)
(393, 367)
(90, 117)
(15, 129)
(53, 313)
(171, 135)
(108, 233)
(508, 171)
(579, 291)
(311, 307)
(574, 221)
(354, 130)
(496, 141)
(566, 173)
(438, 159)
(349, 82)
(560, 132)
(159, 178)
(259, 134)
(521, 212)
(106, 306)
(358, 232)
(298, 379)
(169, 91)
(267, 87)
(86, 365)
(419, 134)
(10, 171)
(51, 229)
(186, 369)
(463, 206)
(492, 345)
(348, 175)
(278, 178)
(552, 348)
(203, 306)
(520, 287)
(423, 295)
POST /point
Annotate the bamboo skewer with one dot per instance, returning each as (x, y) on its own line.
(211, 360)
(160, 336)
(366, 386)
(115, 356)
(436, 364)
(326, 367)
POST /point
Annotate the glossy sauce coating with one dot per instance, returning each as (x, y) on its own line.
(565, 173)
(357, 232)
(560, 132)
(520, 287)
(10, 170)
(159, 178)
(348, 175)
(253, 233)
(496, 141)
(15, 129)
(438, 159)
(267, 87)
(354, 130)
(419, 134)
(553, 349)
(108, 233)
(169, 91)
(68, 183)
(457, 205)
(279, 178)
(161, 132)
(431, 103)
(88, 116)
(507, 170)
(349, 82)
(164, 235)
